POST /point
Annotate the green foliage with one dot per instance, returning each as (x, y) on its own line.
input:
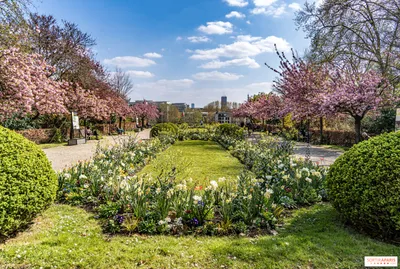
(28, 184)
(384, 123)
(17, 122)
(231, 130)
(364, 186)
(164, 127)
(57, 137)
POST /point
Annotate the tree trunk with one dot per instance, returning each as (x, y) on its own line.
(120, 122)
(142, 124)
(357, 125)
(321, 130)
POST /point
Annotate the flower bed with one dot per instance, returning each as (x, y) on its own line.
(252, 204)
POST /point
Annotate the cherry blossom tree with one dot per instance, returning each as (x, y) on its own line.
(25, 86)
(144, 110)
(356, 93)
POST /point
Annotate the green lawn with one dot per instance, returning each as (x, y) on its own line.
(199, 160)
(69, 237)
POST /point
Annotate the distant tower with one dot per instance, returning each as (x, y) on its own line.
(192, 105)
(224, 102)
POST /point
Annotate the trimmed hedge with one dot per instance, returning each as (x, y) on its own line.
(231, 130)
(28, 184)
(164, 127)
(364, 186)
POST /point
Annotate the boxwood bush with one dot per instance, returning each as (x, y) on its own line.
(364, 186)
(164, 127)
(28, 184)
(231, 130)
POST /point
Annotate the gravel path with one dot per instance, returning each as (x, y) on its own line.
(65, 156)
(319, 155)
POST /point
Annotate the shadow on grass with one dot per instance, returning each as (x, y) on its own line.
(314, 238)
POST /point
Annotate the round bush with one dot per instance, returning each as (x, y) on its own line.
(28, 184)
(364, 186)
(164, 127)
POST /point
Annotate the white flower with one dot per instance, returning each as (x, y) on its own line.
(158, 190)
(309, 180)
(197, 198)
(268, 193)
(214, 184)
(86, 186)
(125, 185)
(268, 177)
(67, 176)
(161, 222)
(82, 177)
(168, 219)
(285, 177)
(170, 192)
(181, 187)
(221, 179)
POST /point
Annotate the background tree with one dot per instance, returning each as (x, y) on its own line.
(121, 83)
(14, 30)
(361, 33)
(145, 111)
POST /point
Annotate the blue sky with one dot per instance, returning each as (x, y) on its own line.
(189, 51)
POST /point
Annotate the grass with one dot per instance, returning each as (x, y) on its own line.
(51, 145)
(201, 160)
(69, 237)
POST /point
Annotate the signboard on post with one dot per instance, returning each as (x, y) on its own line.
(75, 121)
(397, 127)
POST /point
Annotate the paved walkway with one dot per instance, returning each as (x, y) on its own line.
(319, 155)
(65, 156)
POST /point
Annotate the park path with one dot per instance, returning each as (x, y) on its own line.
(65, 156)
(318, 154)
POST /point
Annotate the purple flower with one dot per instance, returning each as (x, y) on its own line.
(195, 222)
(119, 219)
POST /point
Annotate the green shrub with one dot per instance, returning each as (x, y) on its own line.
(164, 127)
(364, 185)
(28, 184)
(231, 130)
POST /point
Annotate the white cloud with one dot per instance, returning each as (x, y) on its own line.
(152, 55)
(216, 75)
(263, 3)
(179, 38)
(248, 38)
(242, 49)
(235, 14)
(260, 87)
(270, 10)
(251, 63)
(295, 6)
(248, 22)
(165, 84)
(237, 3)
(140, 74)
(217, 28)
(129, 61)
(198, 39)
